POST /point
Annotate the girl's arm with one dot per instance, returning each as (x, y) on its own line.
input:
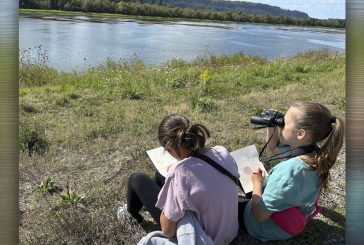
(259, 213)
(169, 228)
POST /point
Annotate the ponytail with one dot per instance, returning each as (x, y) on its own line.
(326, 131)
(194, 138)
(177, 131)
(328, 152)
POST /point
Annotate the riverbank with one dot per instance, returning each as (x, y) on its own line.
(153, 18)
(102, 16)
(86, 132)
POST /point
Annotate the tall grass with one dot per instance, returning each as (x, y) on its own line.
(33, 67)
(96, 125)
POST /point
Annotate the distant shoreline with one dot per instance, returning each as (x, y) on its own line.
(152, 18)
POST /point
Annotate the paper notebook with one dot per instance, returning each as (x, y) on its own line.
(161, 159)
(247, 159)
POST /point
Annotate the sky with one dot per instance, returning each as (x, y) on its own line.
(321, 9)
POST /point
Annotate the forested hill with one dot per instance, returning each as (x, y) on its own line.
(221, 5)
(209, 5)
(192, 9)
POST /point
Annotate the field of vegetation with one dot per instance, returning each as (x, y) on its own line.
(83, 133)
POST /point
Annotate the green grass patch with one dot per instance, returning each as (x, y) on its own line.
(92, 129)
(32, 138)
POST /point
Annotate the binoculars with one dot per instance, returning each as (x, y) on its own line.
(269, 118)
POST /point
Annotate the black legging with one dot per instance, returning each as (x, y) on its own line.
(243, 201)
(143, 192)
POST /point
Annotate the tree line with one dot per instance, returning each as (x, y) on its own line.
(224, 5)
(158, 8)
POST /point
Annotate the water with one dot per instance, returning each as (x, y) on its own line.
(80, 42)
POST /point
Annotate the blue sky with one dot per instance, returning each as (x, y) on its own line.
(321, 9)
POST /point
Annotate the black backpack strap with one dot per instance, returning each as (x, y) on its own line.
(290, 153)
(220, 168)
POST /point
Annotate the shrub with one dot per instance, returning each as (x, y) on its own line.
(62, 102)
(302, 68)
(132, 89)
(48, 186)
(74, 96)
(33, 71)
(133, 94)
(67, 7)
(36, 75)
(204, 104)
(316, 55)
(27, 107)
(71, 198)
(176, 64)
(180, 81)
(32, 139)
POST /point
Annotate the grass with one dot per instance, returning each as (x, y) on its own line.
(95, 126)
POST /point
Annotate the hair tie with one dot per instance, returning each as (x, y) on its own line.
(333, 120)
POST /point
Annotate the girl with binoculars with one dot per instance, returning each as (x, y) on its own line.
(282, 208)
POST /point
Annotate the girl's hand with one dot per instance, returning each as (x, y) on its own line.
(258, 177)
(169, 228)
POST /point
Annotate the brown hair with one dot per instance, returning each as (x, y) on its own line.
(326, 131)
(177, 131)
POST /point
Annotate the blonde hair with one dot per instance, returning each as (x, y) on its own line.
(326, 131)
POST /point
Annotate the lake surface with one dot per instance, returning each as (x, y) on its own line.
(80, 42)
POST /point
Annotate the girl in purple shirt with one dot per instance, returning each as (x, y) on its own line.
(191, 184)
